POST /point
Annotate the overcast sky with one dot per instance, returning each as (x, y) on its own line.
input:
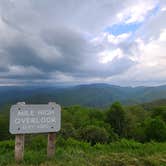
(120, 42)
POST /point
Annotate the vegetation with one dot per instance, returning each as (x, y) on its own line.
(92, 95)
(118, 135)
(72, 152)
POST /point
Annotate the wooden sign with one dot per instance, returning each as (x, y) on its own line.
(42, 118)
(28, 119)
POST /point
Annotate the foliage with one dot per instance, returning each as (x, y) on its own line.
(36, 141)
(117, 118)
(4, 123)
(94, 134)
(104, 125)
(159, 111)
(155, 129)
(120, 135)
(73, 152)
(6, 146)
(68, 131)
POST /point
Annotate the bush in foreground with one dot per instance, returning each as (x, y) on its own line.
(94, 134)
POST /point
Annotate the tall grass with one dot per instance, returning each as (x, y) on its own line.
(72, 152)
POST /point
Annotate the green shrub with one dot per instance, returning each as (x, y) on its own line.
(155, 129)
(116, 117)
(94, 134)
(34, 157)
(77, 144)
(37, 142)
(6, 146)
(60, 141)
(68, 131)
(159, 111)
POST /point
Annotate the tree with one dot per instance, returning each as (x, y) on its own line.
(159, 111)
(4, 127)
(155, 129)
(94, 134)
(117, 118)
(136, 115)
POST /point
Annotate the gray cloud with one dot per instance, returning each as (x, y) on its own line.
(52, 40)
(74, 50)
(153, 26)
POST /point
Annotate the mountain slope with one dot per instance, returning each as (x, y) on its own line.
(96, 95)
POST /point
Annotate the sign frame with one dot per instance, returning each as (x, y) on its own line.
(35, 118)
(20, 136)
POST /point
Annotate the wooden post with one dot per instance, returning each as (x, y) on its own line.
(51, 145)
(19, 147)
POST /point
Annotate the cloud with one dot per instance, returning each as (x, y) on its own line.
(67, 41)
(137, 12)
(153, 26)
(150, 66)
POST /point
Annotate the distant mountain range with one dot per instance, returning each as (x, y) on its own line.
(94, 95)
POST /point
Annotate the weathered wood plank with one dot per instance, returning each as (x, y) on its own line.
(51, 145)
(19, 147)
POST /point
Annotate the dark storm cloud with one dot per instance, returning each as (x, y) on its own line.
(74, 49)
(3, 69)
(21, 54)
(73, 54)
(52, 36)
(115, 67)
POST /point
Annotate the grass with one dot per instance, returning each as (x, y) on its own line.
(75, 153)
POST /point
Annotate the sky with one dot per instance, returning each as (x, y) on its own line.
(49, 42)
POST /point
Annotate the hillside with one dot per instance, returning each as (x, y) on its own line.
(91, 136)
(93, 95)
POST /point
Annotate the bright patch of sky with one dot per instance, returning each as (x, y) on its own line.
(123, 27)
(118, 29)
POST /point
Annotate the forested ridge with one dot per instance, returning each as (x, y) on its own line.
(91, 95)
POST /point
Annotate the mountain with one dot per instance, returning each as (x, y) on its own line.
(154, 104)
(94, 95)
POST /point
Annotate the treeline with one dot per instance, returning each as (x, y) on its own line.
(116, 122)
(105, 125)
